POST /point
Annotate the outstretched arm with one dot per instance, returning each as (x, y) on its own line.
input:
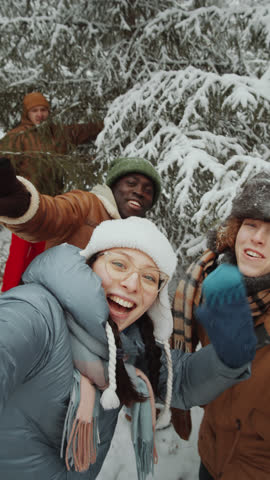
(201, 376)
(225, 314)
(83, 133)
(37, 217)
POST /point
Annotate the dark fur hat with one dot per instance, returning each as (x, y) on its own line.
(253, 201)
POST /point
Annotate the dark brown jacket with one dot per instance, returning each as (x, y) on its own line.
(234, 437)
(37, 152)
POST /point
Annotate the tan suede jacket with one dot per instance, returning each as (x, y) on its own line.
(70, 217)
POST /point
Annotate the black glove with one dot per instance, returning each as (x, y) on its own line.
(226, 316)
(14, 197)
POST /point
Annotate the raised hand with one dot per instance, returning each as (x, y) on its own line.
(14, 197)
(226, 316)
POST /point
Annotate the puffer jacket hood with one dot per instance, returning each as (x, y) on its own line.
(37, 365)
(53, 270)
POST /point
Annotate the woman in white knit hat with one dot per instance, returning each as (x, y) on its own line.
(86, 334)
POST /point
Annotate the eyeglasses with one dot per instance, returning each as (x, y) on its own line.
(120, 267)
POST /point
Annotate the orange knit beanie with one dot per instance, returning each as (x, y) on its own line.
(35, 99)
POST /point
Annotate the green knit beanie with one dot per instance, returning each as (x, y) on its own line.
(123, 166)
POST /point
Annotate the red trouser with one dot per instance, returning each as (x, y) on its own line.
(21, 253)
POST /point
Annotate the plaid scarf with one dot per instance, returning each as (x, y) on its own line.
(188, 297)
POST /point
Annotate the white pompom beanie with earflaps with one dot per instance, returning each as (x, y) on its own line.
(142, 234)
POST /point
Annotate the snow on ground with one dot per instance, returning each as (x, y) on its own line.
(178, 459)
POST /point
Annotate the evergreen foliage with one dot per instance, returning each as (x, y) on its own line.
(182, 83)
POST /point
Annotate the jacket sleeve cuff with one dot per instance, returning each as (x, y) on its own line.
(32, 209)
(201, 376)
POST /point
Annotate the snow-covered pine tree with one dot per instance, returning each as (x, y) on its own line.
(184, 83)
(49, 47)
(201, 115)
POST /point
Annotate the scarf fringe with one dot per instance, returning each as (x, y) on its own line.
(80, 432)
(81, 451)
(145, 450)
(146, 458)
(181, 345)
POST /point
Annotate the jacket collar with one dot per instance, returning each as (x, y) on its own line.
(105, 195)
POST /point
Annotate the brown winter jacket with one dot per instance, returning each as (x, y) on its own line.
(70, 217)
(38, 150)
(234, 437)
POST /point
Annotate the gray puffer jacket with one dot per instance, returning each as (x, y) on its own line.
(36, 366)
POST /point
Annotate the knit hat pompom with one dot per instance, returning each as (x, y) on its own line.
(124, 166)
(35, 99)
(140, 234)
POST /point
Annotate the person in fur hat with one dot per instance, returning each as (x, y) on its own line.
(132, 188)
(234, 437)
(36, 143)
(87, 333)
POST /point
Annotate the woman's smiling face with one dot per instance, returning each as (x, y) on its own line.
(127, 298)
(252, 248)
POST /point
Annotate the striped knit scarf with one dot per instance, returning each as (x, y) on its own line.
(188, 297)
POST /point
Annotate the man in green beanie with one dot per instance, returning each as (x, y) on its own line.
(135, 185)
(132, 187)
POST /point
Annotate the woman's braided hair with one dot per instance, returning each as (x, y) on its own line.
(126, 391)
(152, 351)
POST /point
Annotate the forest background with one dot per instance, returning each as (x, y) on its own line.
(185, 84)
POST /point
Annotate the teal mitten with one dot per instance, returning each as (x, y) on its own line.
(226, 316)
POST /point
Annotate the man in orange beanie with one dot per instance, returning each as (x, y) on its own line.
(36, 145)
(36, 107)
